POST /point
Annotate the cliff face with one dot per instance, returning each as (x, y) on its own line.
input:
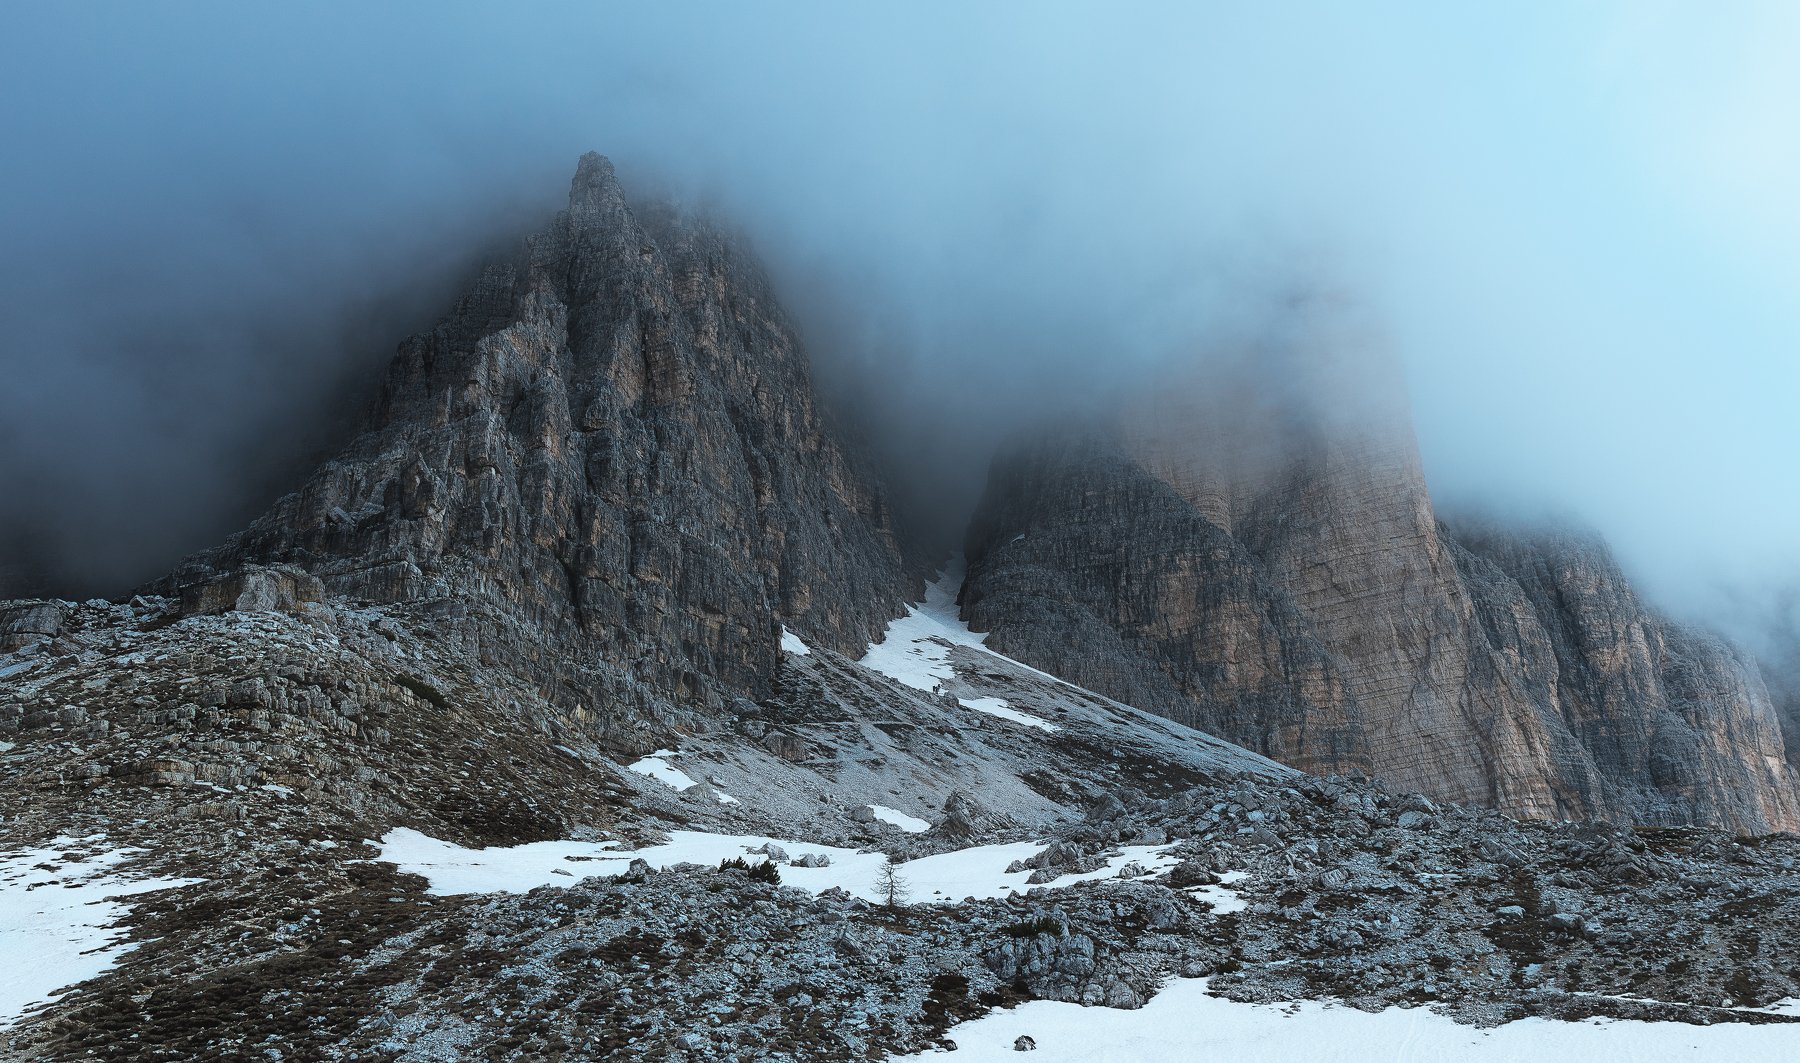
(1780, 664)
(1272, 570)
(609, 452)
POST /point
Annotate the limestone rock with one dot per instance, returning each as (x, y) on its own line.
(607, 466)
(1261, 567)
(251, 589)
(27, 621)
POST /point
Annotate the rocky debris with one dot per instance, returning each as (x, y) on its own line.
(330, 713)
(1266, 569)
(1347, 903)
(256, 750)
(253, 588)
(686, 964)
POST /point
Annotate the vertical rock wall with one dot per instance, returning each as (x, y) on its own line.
(1266, 563)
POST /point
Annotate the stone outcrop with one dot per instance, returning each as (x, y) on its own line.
(24, 622)
(253, 588)
(606, 463)
(1266, 563)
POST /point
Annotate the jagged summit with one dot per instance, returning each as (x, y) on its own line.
(595, 186)
(611, 449)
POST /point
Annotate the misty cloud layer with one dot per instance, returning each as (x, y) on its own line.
(1573, 226)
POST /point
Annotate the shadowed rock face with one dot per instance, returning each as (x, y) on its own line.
(1780, 663)
(608, 452)
(1273, 571)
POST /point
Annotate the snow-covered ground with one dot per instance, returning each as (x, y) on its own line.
(657, 766)
(1184, 1023)
(910, 824)
(58, 923)
(915, 649)
(978, 872)
(999, 707)
(793, 643)
(1223, 898)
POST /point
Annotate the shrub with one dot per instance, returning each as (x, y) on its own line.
(1031, 928)
(763, 872)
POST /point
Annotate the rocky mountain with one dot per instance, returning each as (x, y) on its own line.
(1258, 556)
(607, 466)
(594, 704)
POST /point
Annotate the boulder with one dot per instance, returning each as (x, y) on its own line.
(253, 589)
(25, 622)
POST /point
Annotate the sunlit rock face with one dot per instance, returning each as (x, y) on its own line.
(608, 458)
(1257, 554)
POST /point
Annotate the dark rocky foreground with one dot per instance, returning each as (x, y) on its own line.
(307, 733)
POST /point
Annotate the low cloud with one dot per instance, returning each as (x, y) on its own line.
(216, 221)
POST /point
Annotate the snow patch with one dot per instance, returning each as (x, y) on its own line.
(1185, 1022)
(1224, 901)
(792, 643)
(909, 824)
(977, 872)
(915, 650)
(59, 923)
(657, 766)
(999, 707)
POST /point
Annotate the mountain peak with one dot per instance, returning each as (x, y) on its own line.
(595, 187)
(565, 455)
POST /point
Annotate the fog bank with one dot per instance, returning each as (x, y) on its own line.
(1573, 226)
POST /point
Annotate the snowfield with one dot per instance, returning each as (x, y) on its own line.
(999, 707)
(1184, 1023)
(976, 872)
(657, 766)
(58, 921)
(910, 824)
(915, 649)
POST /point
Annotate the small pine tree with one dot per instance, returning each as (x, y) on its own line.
(891, 886)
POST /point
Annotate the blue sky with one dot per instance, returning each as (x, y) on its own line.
(1575, 223)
